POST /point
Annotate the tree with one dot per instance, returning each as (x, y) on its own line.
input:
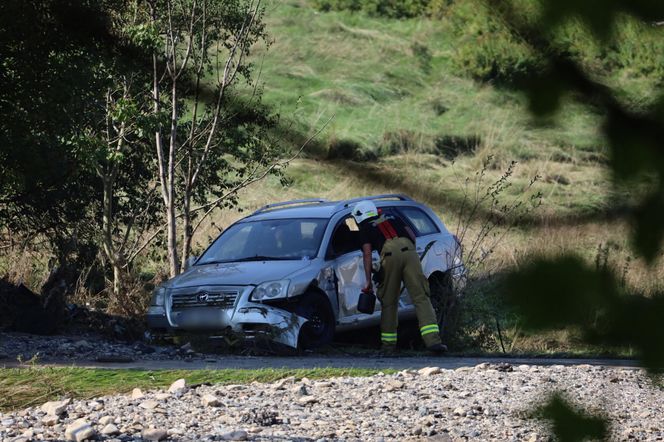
(214, 142)
(50, 52)
(75, 114)
(123, 163)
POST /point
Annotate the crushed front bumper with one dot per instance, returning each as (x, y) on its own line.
(249, 319)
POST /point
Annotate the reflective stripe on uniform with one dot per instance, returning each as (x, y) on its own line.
(431, 328)
(388, 337)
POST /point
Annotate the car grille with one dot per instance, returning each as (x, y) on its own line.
(224, 299)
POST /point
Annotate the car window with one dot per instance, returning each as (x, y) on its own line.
(345, 238)
(287, 239)
(422, 223)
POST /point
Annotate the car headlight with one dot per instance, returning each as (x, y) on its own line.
(271, 290)
(158, 296)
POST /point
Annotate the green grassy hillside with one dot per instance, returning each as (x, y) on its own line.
(388, 81)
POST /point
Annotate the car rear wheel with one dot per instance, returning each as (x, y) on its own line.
(319, 328)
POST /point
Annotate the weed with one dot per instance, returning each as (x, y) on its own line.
(485, 219)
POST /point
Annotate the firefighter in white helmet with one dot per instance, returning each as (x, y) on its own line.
(395, 242)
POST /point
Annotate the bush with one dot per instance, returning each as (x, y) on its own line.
(380, 8)
(349, 150)
(487, 50)
(401, 141)
(638, 49)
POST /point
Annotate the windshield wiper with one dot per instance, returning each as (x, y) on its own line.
(265, 258)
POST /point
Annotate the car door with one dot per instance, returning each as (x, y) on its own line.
(348, 266)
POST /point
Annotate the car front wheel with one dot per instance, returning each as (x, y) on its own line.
(319, 328)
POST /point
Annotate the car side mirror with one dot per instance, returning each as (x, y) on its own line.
(190, 262)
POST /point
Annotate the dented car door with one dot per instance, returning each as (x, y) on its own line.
(351, 279)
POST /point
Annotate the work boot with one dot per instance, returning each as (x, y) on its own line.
(437, 349)
(387, 350)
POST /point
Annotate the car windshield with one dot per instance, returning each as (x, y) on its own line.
(278, 239)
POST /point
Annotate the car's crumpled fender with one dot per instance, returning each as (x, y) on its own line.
(285, 325)
(444, 256)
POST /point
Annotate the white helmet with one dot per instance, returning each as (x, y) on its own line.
(364, 210)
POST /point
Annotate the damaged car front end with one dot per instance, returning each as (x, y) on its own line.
(248, 282)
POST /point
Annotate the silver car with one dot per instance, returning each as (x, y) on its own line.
(293, 272)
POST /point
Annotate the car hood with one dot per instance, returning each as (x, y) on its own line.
(241, 273)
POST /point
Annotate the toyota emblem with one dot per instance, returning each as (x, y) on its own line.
(203, 297)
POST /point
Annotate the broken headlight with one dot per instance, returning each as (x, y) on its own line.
(158, 296)
(271, 290)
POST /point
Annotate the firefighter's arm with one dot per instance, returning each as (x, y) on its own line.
(366, 255)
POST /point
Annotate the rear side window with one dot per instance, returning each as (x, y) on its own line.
(422, 223)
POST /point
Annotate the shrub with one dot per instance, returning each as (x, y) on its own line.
(381, 8)
(400, 141)
(487, 50)
(345, 149)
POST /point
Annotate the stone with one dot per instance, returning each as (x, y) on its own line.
(305, 400)
(153, 434)
(235, 435)
(55, 408)
(429, 371)
(110, 430)
(177, 386)
(106, 420)
(162, 396)
(210, 400)
(96, 405)
(49, 420)
(136, 393)
(280, 384)
(79, 430)
(394, 385)
(149, 404)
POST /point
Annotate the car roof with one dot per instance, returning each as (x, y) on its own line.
(320, 208)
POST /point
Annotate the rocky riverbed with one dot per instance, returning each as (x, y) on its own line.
(487, 402)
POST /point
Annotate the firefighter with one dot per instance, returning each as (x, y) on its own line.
(395, 242)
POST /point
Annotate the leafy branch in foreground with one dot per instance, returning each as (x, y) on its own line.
(564, 291)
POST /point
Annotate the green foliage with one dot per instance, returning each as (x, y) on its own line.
(382, 8)
(568, 292)
(52, 77)
(487, 49)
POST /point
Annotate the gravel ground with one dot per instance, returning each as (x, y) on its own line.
(487, 402)
(89, 347)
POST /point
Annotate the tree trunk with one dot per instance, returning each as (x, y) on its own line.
(170, 206)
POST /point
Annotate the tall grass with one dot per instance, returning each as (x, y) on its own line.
(383, 79)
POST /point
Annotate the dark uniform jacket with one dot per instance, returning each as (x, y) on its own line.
(377, 230)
